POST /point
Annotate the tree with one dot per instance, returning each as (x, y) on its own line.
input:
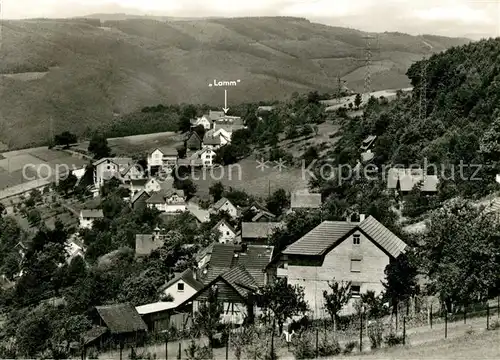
(188, 112)
(460, 253)
(216, 191)
(350, 106)
(278, 201)
(310, 155)
(336, 299)
(98, 146)
(207, 318)
(2, 210)
(67, 184)
(357, 101)
(181, 152)
(140, 290)
(200, 130)
(65, 139)
(187, 185)
(34, 217)
(283, 300)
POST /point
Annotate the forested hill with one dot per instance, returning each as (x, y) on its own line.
(75, 74)
(452, 116)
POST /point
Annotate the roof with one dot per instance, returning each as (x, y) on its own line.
(146, 243)
(254, 259)
(265, 108)
(188, 277)
(138, 195)
(93, 334)
(307, 201)
(120, 161)
(261, 214)
(156, 307)
(214, 115)
(201, 215)
(229, 120)
(330, 233)
(220, 203)
(162, 196)
(139, 182)
(166, 151)
(367, 156)
(210, 139)
(190, 162)
(368, 142)
(91, 213)
(121, 318)
(240, 279)
(223, 221)
(255, 230)
(195, 134)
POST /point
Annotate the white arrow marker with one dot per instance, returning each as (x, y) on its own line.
(225, 108)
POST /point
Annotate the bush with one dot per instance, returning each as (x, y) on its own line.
(304, 347)
(393, 339)
(375, 333)
(92, 354)
(349, 347)
(495, 325)
(141, 356)
(328, 347)
(197, 352)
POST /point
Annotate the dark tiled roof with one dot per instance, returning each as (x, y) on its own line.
(222, 258)
(121, 318)
(239, 278)
(261, 214)
(305, 201)
(139, 182)
(219, 203)
(156, 198)
(93, 334)
(138, 195)
(256, 230)
(383, 236)
(211, 140)
(329, 233)
(188, 277)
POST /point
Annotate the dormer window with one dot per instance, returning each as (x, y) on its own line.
(180, 287)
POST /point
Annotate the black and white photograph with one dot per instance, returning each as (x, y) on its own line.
(250, 180)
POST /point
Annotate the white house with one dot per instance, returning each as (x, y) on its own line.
(149, 185)
(225, 205)
(87, 217)
(182, 286)
(162, 158)
(107, 168)
(133, 172)
(205, 156)
(226, 230)
(225, 136)
(73, 250)
(169, 201)
(205, 121)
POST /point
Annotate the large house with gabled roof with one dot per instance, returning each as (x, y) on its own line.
(223, 204)
(123, 169)
(342, 250)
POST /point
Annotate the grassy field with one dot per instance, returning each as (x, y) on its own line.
(21, 166)
(60, 69)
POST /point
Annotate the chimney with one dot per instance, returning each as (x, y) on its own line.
(362, 217)
(195, 272)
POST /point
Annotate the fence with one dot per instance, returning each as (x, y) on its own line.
(357, 333)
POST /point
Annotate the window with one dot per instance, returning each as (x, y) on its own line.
(355, 265)
(180, 287)
(227, 232)
(355, 290)
(356, 239)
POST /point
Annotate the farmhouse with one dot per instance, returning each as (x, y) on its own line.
(169, 201)
(211, 141)
(138, 201)
(227, 232)
(149, 185)
(193, 141)
(107, 168)
(87, 218)
(342, 250)
(161, 158)
(258, 233)
(204, 121)
(224, 205)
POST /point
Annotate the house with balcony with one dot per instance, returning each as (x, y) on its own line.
(162, 158)
(342, 251)
(168, 201)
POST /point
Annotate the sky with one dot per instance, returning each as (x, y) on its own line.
(470, 18)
